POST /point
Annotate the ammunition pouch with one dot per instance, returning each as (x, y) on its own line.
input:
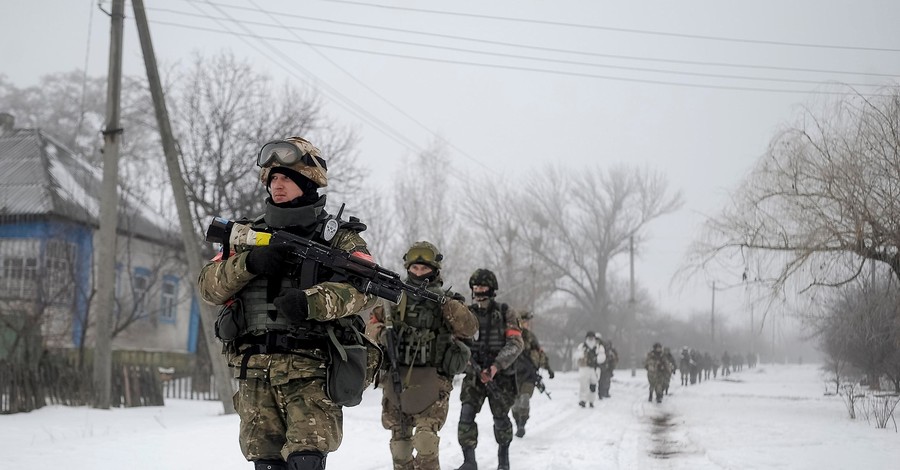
(456, 358)
(353, 362)
(231, 321)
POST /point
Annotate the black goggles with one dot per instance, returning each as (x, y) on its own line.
(285, 154)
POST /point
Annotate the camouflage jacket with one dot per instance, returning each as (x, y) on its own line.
(532, 357)
(499, 340)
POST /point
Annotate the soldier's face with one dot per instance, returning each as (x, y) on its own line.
(283, 189)
(480, 292)
(420, 270)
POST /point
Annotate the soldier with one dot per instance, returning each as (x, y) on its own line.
(667, 353)
(607, 369)
(428, 352)
(278, 330)
(726, 364)
(528, 367)
(490, 375)
(588, 358)
(684, 365)
(658, 371)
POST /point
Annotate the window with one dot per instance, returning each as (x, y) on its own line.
(59, 281)
(19, 268)
(167, 312)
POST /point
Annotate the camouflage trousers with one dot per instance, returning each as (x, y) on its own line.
(658, 382)
(605, 379)
(420, 433)
(277, 420)
(472, 396)
(521, 408)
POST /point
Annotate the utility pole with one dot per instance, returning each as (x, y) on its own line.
(109, 202)
(712, 315)
(188, 236)
(633, 310)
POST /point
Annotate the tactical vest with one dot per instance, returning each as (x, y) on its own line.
(423, 335)
(590, 356)
(491, 332)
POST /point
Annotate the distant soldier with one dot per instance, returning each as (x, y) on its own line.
(726, 364)
(667, 353)
(607, 369)
(751, 360)
(684, 365)
(658, 371)
(715, 366)
(738, 362)
(695, 366)
(707, 365)
(528, 376)
(588, 358)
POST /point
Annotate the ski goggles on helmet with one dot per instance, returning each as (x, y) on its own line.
(422, 254)
(285, 154)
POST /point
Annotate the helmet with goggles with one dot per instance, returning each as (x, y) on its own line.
(423, 253)
(295, 153)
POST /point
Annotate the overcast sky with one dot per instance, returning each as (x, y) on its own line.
(692, 88)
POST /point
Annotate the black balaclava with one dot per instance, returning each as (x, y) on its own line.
(309, 188)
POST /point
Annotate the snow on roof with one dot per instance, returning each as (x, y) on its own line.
(40, 176)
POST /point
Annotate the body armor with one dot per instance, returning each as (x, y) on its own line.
(491, 333)
(423, 335)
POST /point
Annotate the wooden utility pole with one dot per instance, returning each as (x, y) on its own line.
(188, 236)
(109, 204)
(712, 315)
(633, 313)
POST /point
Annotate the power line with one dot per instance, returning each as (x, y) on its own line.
(379, 95)
(553, 49)
(541, 59)
(519, 68)
(621, 30)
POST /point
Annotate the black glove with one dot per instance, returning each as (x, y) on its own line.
(550, 374)
(268, 260)
(292, 304)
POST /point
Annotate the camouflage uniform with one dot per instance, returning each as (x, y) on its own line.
(607, 369)
(589, 357)
(423, 331)
(286, 414)
(498, 344)
(658, 371)
(667, 353)
(528, 367)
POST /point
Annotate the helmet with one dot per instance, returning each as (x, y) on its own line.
(526, 315)
(295, 153)
(590, 334)
(484, 277)
(657, 346)
(423, 253)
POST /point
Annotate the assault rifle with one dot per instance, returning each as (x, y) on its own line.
(363, 274)
(396, 382)
(535, 375)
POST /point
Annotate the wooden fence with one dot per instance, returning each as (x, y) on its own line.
(55, 380)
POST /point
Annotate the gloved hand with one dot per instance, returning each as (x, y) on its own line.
(488, 374)
(550, 374)
(268, 260)
(292, 303)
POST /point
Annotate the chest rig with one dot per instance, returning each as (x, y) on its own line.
(491, 332)
(423, 335)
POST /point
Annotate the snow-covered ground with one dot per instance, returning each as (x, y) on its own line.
(773, 416)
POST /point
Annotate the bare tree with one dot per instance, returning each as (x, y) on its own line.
(576, 222)
(823, 199)
(223, 111)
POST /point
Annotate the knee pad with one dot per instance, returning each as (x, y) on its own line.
(426, 443)
(467, 415)
(269, 464)
(502, 422)
(306, 460)
(401, 450)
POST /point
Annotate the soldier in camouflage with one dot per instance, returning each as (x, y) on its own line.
(528, 367)
(490, 375)
(607, 369)
(659, 370)
(275, 327)
(426, 339)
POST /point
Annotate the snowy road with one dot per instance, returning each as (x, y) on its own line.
(772, 417)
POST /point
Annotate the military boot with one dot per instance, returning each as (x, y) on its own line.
(469, 462)
(503, 457)
(520, 428)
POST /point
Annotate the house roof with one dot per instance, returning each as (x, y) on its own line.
(39, 176)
